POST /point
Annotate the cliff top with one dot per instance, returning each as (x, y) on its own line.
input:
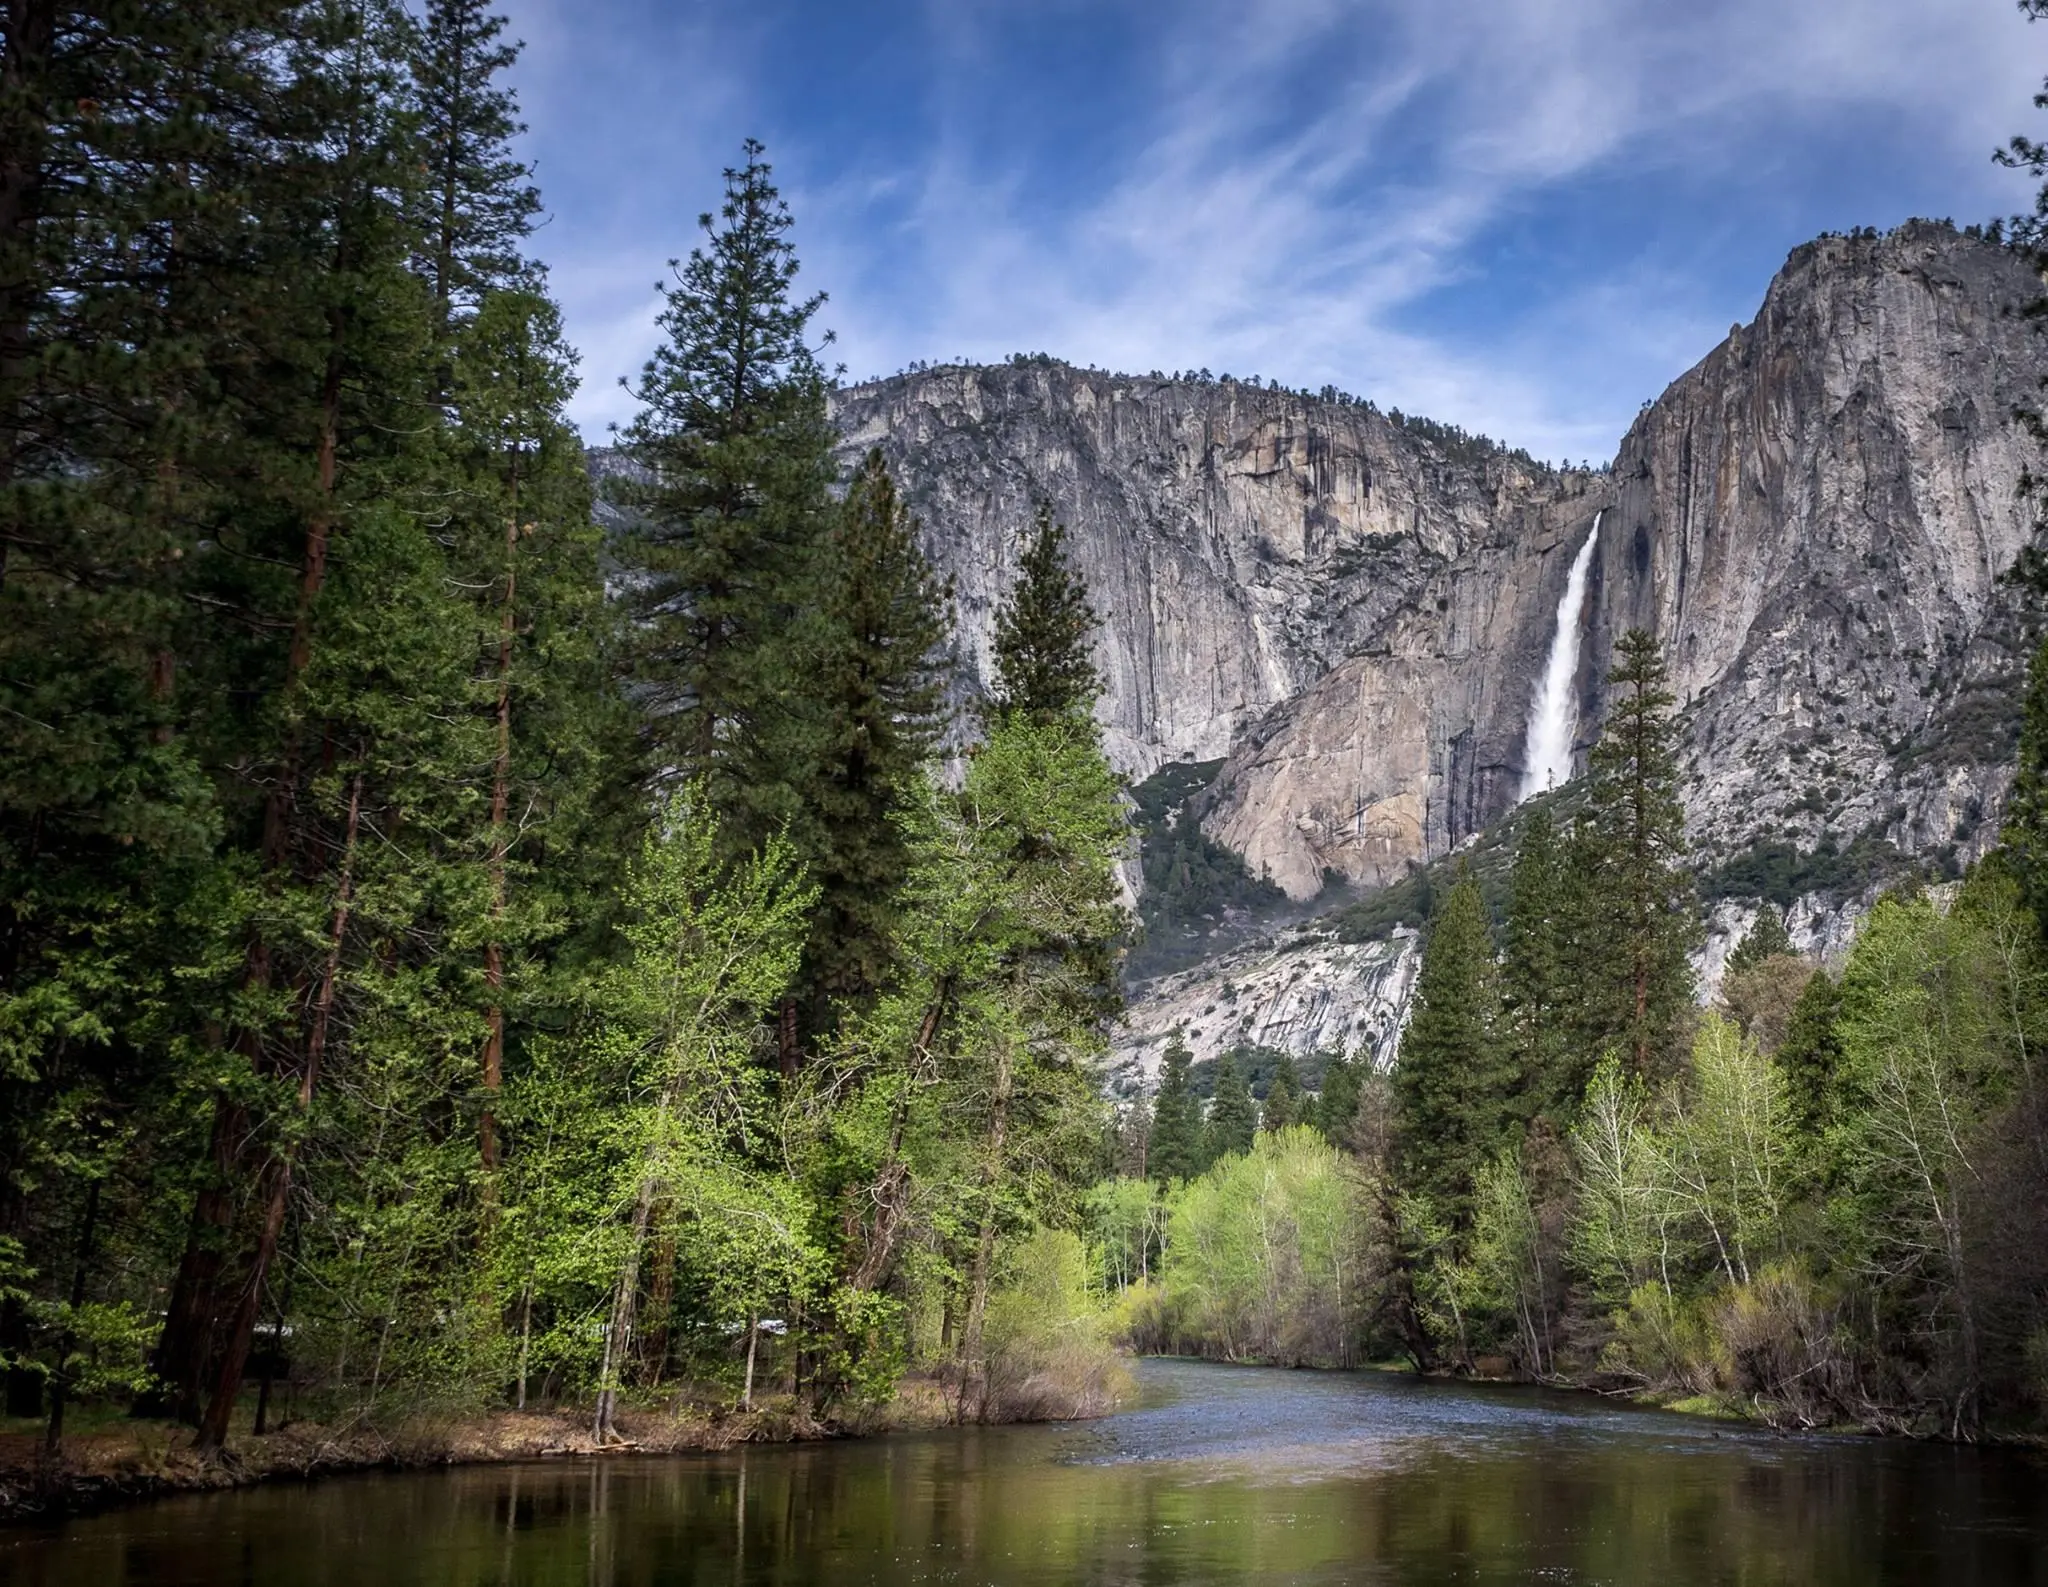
(1453, 441)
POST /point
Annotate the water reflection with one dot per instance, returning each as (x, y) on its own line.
(1221, 1475)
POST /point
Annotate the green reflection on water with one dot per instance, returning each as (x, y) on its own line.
(1245, 1477)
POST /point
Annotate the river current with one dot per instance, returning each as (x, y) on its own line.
(1216, 1475)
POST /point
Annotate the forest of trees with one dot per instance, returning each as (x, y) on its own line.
(1822, 1201)
(453, 957)
(424, 980)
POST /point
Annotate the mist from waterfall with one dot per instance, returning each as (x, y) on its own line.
(1554, 716)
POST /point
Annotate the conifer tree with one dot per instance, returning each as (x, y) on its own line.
(1282, 1109)
(1336, 1108)
(1233, 1121)
(478, 198)
(356, 763)
(519, 527)
(1451, 1081)
(1044, 668)
(128, 264)
(1641, 917)
(730, 513)
(1535, 991)
(1811, 1052)
(1765, 939)
(872, 716)
(1176, 1148)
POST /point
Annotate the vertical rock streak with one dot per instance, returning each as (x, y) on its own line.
(1554, 715)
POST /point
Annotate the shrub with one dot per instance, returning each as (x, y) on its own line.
(1776, 1338)
(1049, 1355)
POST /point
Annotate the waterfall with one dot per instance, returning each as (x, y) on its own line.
(1554, 714)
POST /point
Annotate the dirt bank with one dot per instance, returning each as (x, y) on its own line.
(121, 1461)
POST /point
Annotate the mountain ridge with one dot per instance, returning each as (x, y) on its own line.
(1351, 613)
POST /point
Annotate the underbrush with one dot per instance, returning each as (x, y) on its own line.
(1051, 1355)
(1774, 1349)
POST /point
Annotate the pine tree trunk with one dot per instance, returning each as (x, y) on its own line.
(276, 1178)
(186, 1346)
(24, 139)
(501, 796)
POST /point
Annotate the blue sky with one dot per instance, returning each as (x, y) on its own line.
(1522, 216)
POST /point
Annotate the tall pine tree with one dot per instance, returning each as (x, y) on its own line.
(1043, 666)
(131, 274)
(1233, 1121)
(1452, 1083)
(478, 198)
(516, 518)
(1765, 939)
(1639, 921)
(1176, 1143)
(871, 718)
(1535, 993)
(1336, 1108)
(1811, 1052)
(1282, 1109)
(731, 513)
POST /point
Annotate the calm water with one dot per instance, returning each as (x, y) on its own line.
(1219, 1475)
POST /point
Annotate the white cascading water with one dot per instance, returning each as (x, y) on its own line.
(1554, 717)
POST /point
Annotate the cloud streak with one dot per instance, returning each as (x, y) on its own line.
(1518, 215)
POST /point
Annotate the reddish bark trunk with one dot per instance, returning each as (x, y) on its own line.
(276, 1178)
(501, 799)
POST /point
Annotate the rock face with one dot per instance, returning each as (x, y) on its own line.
(1354, 609)
(1815, 519)
(1308, 994)
(1241, 543)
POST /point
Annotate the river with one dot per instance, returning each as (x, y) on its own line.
(1216, 1475)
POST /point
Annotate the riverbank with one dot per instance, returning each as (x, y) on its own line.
(1216, 1475)
(118, 1460)
(122, 1461)
(1753, 1411)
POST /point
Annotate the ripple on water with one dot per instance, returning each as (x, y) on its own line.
(1219, 1475)
(1189, 1413)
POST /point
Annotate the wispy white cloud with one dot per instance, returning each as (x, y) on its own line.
(1294, 180)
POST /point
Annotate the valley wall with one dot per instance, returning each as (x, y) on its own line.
(1351, 609)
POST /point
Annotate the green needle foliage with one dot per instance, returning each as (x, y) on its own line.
(1639, 917)
(729, 513)
(428, 984)
(1175, 1147)
(1452, 1083)
(477, 199)
(1535, 984)
(1831, 1212)
(1044, 668)
(1812, 1051)
(334, 1005)
(874, 701)
(1336, 1108)
(1765, 939)
(1233, 1119)
(1283, 1105)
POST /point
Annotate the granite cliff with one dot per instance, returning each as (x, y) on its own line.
(1350, 608)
